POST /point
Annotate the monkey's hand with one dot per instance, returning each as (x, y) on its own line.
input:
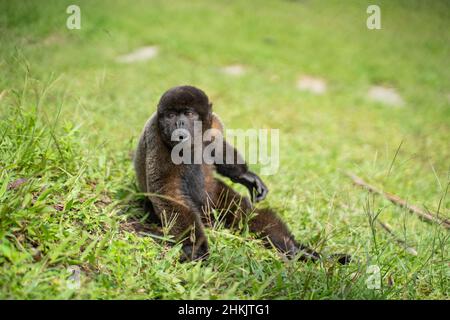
(254, 184)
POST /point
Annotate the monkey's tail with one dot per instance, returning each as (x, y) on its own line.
(274, 231)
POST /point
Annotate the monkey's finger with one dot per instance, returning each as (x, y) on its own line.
(253, 195)
(264, 192)
(259, 188)
(262, 195)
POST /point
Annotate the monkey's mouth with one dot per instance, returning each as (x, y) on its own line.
(180, 137)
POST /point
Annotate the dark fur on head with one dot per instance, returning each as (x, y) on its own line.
(180, 97)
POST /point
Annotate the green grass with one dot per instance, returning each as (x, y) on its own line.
(71, 116)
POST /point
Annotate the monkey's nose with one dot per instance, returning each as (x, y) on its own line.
(180, 124)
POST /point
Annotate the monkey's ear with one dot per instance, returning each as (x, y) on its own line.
(210, 105)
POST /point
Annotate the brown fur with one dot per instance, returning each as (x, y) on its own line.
(163, 182)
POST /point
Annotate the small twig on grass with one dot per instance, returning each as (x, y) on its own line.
(401, 242)
(400, 202)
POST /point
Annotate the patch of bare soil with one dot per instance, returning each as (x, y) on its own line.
(312, 84)
(140, 54)
(386, 95)
(234, 70)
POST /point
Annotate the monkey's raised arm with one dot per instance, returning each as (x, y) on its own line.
(237, 170)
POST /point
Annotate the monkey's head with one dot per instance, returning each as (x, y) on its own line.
(183, 112)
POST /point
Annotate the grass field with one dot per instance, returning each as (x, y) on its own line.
(71, 115)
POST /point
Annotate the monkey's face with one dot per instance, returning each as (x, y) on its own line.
(184, 112)
(180, 125)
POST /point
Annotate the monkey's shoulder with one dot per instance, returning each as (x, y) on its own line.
(149, 133)
(216, 123)
(158, 167)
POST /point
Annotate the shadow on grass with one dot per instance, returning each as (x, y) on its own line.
(139, 217)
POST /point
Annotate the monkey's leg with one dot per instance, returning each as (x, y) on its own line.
(270, 227)
(184, 224)
(263, 222)
(148, 209)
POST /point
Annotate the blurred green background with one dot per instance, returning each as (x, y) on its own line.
(71, 114)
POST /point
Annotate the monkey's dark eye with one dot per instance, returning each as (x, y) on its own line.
(171, 115)
(189, 114)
